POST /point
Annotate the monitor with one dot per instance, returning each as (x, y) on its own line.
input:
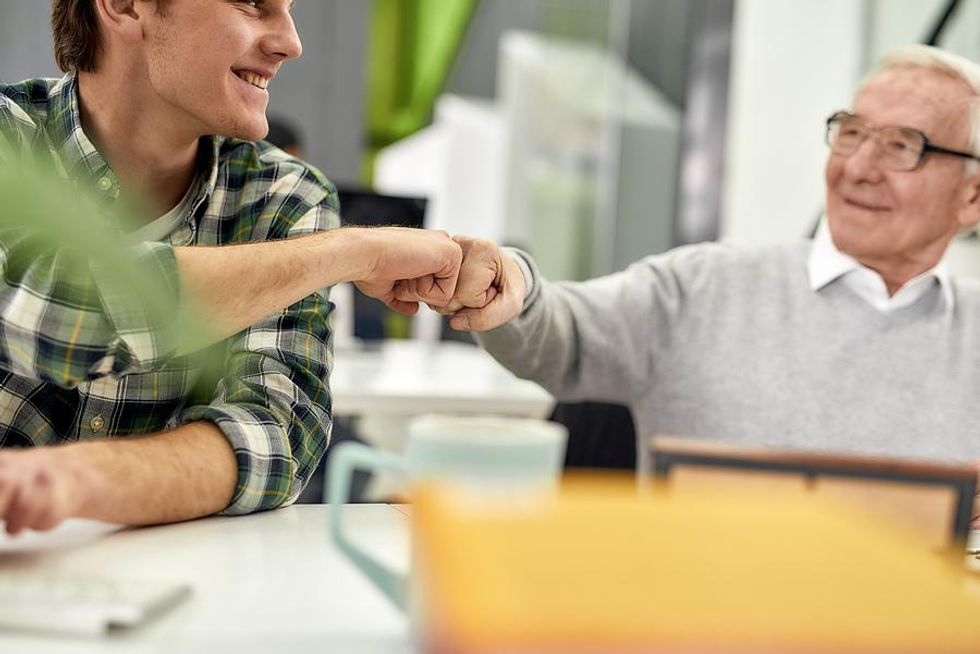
(373, 320)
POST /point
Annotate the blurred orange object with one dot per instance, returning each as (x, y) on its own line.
(604, 569)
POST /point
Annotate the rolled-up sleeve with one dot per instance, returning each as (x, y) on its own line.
(273, 402)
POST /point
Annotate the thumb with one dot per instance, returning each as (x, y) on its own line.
(493, 315)
(402, 307)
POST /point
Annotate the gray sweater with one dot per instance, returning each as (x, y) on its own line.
(729, 343)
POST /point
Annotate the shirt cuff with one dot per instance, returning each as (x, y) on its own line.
(528, 269)
(266, 469)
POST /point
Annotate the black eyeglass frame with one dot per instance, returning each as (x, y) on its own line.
(927, 145)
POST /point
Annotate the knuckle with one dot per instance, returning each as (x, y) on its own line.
(482, 245)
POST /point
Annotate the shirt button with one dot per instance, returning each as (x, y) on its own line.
(104, 183)
(96, 423)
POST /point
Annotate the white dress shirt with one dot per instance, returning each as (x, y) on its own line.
(827, 263)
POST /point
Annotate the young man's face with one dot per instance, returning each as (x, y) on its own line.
(885, 217)
(209, 59)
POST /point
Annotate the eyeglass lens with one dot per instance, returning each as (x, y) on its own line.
(899, 148)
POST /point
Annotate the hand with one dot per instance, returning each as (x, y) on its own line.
(428, 260)
(489, 292)
(40, 487)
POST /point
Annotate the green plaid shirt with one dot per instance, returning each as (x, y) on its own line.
(78, 364)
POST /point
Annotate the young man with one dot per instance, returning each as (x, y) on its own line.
(165, 101)
(858, 341)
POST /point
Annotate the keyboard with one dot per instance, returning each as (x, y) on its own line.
(70, 605)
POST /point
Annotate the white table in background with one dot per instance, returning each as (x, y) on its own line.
(264, 583)
(409, 377)
(383, 387)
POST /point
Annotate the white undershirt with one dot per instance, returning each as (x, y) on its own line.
(827, 263)
(162, 227)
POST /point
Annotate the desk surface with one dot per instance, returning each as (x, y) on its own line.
(269, 582)
(412, 377)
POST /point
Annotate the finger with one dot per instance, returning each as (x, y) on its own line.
(9, 482)
(52, 502)
(493, 315)
(489, 295)
(434, 290)
(404, 308)
(32, 498)
(406, 290)
(478, 275)
(17, 508)
(446, 277)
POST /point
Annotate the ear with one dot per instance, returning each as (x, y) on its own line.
(121, 18)
(968, 213)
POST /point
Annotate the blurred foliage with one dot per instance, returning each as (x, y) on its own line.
(45, 214)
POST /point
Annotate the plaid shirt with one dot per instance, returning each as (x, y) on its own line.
(76, 363)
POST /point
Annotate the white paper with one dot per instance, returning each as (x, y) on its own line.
(71, 532)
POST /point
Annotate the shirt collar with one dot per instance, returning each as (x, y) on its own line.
(77, 153)
(82, 160)
(827, 264)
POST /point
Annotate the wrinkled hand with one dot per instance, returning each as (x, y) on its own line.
(428, 260)
(489, 292)
(40, 487)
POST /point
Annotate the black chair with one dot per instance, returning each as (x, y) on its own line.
(600, 435)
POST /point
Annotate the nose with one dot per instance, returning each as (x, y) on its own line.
(864, 165)
(283, 40)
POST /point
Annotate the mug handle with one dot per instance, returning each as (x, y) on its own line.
(344, 459)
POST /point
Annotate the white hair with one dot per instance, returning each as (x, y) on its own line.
(947, 63)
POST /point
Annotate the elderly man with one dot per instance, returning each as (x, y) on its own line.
(858, 341)
(164, 100)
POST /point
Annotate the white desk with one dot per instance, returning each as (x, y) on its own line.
(407, 377)
(382, 388)
(266, 583)
(270, 582)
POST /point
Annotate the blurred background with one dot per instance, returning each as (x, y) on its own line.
(590, 132)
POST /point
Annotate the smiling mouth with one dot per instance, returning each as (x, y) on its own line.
(255, 80)
(866, 207)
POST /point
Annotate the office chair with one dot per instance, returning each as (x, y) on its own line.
(600, 435)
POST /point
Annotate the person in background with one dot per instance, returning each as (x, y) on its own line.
(286, 136)
(859, 341)
(165, 100)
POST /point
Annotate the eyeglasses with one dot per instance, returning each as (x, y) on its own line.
(899, 148)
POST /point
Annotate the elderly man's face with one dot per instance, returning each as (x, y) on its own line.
(903, 220)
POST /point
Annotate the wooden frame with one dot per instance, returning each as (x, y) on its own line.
(667, 453)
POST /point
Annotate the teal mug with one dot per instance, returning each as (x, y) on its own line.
(489, 458)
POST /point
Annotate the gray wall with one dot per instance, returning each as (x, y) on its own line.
(322, 92)
(659, 33)
(25, 40)
(659, 37)
(475, 73)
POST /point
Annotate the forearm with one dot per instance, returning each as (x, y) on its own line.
(579, 340)
(235, 286)
(185, 473)
(118, 315)
(539, 344)
(240, 285)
